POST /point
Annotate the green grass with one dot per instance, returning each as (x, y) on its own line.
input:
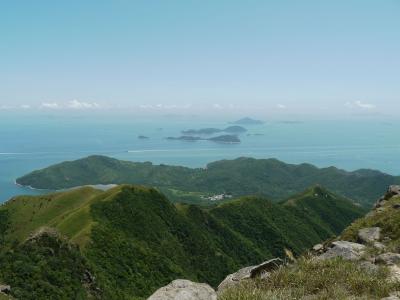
(64, 211)
(320, 280)
(388, 220)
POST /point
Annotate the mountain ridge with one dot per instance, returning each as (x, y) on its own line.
(132, 239)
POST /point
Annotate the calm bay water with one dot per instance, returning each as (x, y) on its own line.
(29, 142)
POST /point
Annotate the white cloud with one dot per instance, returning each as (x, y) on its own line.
(281, 106)
(365, 105)
(50, 105)
(75, 104)
(217, 106)
(360, 104)
(25, 106)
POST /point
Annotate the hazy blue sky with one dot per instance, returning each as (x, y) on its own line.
(339, 56)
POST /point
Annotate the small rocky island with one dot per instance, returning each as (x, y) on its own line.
(228, 139)
(209, 131)
(143, 137)
(248, 121)
(188, 138)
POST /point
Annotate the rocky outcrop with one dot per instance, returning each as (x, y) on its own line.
(41, 232)
(393, 190)
(259, 271)
(369, 235)
(393, 297)
(5, 289)
(388, 258)
(184, 290)
(344, 249)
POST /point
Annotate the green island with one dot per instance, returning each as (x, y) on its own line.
(268, 178)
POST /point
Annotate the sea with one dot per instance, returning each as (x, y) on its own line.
(31, 141)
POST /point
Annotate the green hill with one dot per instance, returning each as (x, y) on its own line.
(133, 240)
(243, 176)
(372, 275)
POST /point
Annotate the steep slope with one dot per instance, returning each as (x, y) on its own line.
(322, 209)
(133, 240)
(243, 176)
(363, 262)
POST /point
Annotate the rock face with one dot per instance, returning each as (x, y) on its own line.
(393, 190)
(261, 270)
(345, 250)
(369, 235)
(388, 258)
(184, 290)
(391, 298)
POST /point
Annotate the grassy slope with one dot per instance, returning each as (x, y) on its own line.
(135, 240)
(243, 176)
(387, 218)
(310, 279)
(69, 212)
(303, 279)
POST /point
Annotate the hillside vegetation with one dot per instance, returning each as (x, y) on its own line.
(363, 262)
(243, 176)
(132, 240)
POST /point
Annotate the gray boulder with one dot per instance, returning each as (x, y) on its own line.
(184, 290)
(345, 250)
(5, 289)
(379, 246)
(393, 190)
(261, 271)
(388, 258)
(369, 235)
(318, 248)
(369, 267)
(394, 273)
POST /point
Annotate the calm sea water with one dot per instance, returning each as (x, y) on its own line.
(29, 142)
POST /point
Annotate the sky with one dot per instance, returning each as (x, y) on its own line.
(274, 57)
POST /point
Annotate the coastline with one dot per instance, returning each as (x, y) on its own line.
(103, 187)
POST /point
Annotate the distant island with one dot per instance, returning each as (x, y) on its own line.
(188, 138)
(209, 131)
(255, 134)
(266, 177)
(143, 137)
(229, 139)
(248, 121)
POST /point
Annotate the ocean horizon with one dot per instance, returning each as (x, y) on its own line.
(37, 141)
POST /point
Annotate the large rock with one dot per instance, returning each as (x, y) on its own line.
(184, 290)
(388, 258)
(391, 298)
(369, 267)
(345, 250)
(369, 235)
(261, 270)
(393, 190)
(4, 288)
(394, 273)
